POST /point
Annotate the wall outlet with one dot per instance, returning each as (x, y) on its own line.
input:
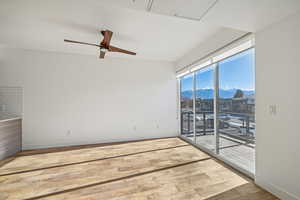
(273, 109)
(69, 132)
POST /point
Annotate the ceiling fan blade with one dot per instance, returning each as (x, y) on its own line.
(102, 54)
(77, 42)
(107, 38)
(116, 49)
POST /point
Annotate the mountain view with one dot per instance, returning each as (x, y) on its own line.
(209, 93)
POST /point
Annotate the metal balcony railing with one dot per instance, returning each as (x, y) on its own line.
(238, 126)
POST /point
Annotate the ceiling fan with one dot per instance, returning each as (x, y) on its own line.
(104, 45)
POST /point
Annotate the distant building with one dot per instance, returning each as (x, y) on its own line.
(244, 105)
(237, 105)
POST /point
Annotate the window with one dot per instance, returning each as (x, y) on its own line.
(187, 105)
(204, 79)
(236, 109)
(220, 99)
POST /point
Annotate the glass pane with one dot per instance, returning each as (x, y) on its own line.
(236, 106)
(205, 108)
(186, 106)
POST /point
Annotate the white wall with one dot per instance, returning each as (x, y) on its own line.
(278, 83)
(11, 100)
(75, 99)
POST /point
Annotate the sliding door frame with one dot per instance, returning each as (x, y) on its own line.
(216, 107)
(194, 105)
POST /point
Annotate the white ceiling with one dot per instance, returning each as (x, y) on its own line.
(42, 25)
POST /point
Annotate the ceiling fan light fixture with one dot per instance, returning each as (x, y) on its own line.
(103, 50)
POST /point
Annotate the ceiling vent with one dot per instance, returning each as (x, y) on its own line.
(188, 9)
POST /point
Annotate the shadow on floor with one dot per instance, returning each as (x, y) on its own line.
(248, 191)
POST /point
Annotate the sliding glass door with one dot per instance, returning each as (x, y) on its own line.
(204, 103)
(220, 99)
(236, 106)
(187, 106)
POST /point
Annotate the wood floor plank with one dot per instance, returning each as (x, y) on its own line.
(43, 182)
(202, 180)
(40, 161)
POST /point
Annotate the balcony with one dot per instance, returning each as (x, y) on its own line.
(236, 135)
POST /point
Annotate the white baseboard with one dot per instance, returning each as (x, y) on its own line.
(31, 146)
(277, 191)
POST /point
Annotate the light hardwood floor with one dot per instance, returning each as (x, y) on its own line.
(46, 160)
(154, 169)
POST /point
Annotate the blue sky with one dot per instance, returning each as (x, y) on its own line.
(237, 72)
